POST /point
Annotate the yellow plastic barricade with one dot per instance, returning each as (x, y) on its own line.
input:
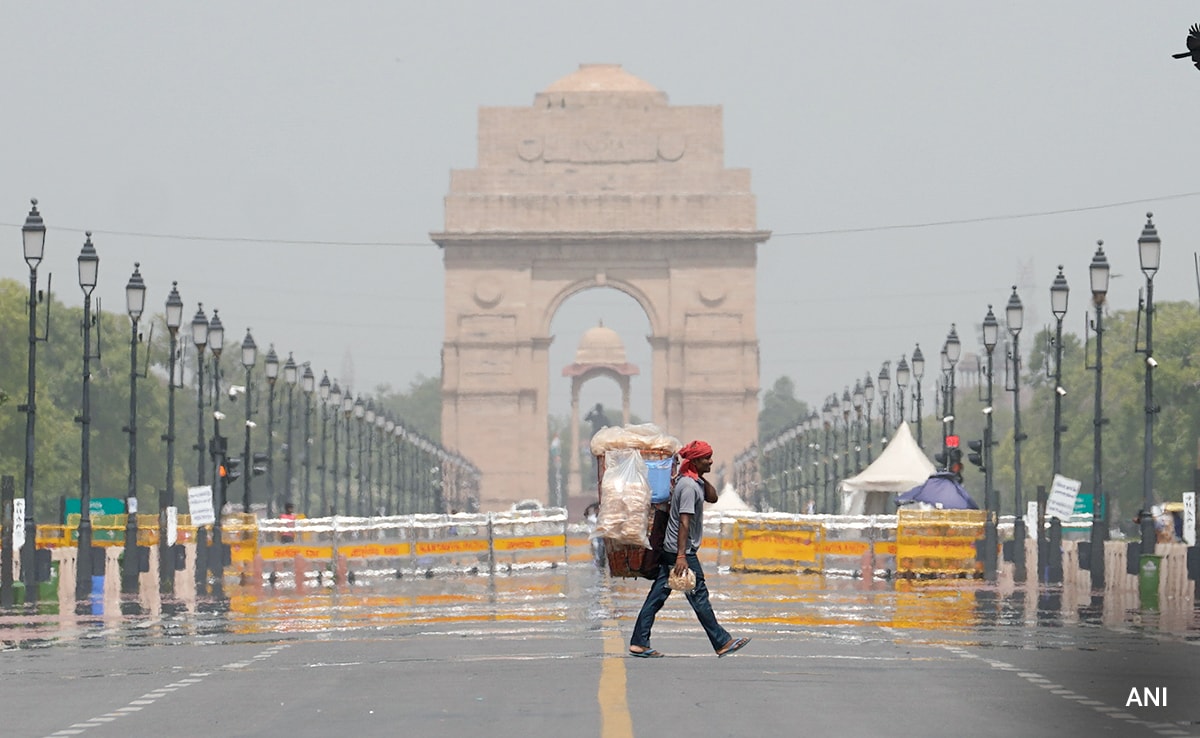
(938, 542)
(777, 545)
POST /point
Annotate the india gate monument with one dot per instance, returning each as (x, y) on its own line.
(600, 183)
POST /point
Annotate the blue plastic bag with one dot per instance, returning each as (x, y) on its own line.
(658, 472)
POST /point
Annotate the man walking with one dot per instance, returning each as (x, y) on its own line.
(685, 531)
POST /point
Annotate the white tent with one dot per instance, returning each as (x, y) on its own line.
(901, 466)
(728, 501)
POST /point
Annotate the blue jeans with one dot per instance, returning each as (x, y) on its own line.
(698, 599)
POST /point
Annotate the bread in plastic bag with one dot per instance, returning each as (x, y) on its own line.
(624, 499)
(643, 436)
(685, 582)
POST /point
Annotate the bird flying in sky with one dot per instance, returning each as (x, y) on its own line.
(1193, 44)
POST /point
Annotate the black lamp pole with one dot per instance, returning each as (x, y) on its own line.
(368, 425)
(857, 399)
(903, 374)
(216, 555)
(1149, 254)
(1098, 272)
(380, 422)
(953, 348)
(335, 401)
(389, 437)
(249, 357)
(885, 388)
(33, 234)
(1014, 316)
(135, 304)
(347, 411)
(289, 375)
(200, 340)
(272, 369)
(359, 411)
(869, 398)
(323, 390)
(918, 373)
(1059, 292)
(991, 503)
(89, 264)
(166, 564)
(307, 385)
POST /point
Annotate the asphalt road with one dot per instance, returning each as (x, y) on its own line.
(543, 654)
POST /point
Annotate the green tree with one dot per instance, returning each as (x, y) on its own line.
(780, 408)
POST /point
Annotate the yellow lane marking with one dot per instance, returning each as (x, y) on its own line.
(615, 721)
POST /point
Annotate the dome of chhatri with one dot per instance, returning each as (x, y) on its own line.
(600, 78)
(600, 345)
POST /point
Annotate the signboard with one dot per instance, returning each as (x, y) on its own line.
(1083, 504)
(18, 523)
(1061, 502)
(1189, 518)
(200, 505)
(1031, 519)
(97, 506)
(172, 525)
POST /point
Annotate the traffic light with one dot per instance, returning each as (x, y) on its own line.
(956, 465)
(976, 455)
(261, 462)
(230, 469)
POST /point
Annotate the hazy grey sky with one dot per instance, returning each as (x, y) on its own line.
(215, 142)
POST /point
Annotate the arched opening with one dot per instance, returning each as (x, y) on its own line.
(600, 365)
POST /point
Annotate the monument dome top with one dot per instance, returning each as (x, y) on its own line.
(600, 78)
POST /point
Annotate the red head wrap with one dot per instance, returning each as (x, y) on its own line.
(691, 452)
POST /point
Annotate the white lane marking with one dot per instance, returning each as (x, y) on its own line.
(153, 696)
(1037, 680)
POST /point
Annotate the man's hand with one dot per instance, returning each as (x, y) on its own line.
(681, 565)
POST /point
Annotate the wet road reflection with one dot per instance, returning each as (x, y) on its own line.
(577, 596)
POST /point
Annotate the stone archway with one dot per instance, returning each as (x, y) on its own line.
(600, 183)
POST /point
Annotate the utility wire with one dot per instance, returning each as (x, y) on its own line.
(786, 234)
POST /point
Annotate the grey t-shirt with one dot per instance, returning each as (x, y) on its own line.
(687, 496)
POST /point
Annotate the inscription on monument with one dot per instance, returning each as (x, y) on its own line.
(602, 149)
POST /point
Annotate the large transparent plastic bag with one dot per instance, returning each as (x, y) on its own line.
(624, 499)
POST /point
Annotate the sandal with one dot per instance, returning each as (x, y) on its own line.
(649, 653)
(733, 647)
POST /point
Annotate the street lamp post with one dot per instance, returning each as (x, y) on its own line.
(1014, 316)
(1149, 254)
(335, 401)
(903, 375)
(166, 563)
(290, 373)
(307, 385)
(869, 398)
(885, 387)
(827, 422)
(33, 236)
(918, 373)
(1098, 272)
(249, 357)
(953, 349)
(135, 304)
(218, 447)
(857, 400)
(200, 340)
(389, 438)
(347, 411)
(360, 411)
(1059, 291)
(380, 422)
(272, 369)
(89, 264)
(323, 390)
(991, 336)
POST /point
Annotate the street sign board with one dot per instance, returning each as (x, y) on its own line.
(98, 506)
(1189, 518)
(18, 537)
(200, 505)
(1061, 502)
